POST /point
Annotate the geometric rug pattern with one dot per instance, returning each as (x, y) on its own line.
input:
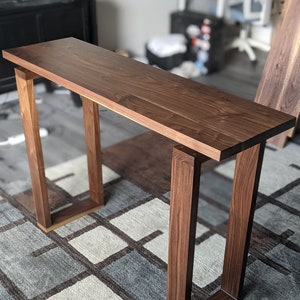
(120, 251)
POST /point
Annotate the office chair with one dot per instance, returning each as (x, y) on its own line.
(248, 13)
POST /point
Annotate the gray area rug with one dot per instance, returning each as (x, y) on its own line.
(120, 251)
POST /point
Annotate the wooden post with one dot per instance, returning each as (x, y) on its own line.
(29, 116)
(242, 207)
(186, 169)
(93, 149)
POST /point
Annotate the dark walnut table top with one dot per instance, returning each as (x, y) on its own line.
(202, 118)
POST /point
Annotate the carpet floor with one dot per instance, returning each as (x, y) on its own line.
(120, 251)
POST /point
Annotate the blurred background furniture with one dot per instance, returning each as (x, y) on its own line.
(32, 21)
(248, 13)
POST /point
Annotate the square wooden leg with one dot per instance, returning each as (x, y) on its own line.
(93, 149)
(185, 179)
(45, 220)
(24, 80)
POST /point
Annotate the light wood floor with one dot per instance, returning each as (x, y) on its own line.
(64, 121)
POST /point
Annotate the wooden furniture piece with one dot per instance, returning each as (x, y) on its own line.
(281, 90)
(206, 122)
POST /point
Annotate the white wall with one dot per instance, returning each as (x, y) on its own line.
(128, 24)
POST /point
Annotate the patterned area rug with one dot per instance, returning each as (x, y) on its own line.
(120, 251)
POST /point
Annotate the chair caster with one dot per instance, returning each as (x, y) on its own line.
(254, 62)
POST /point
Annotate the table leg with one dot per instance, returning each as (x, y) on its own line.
(185, 179)
(93, 149)
(45, 220)
(24, 80)
(242, 207)
(183, 216)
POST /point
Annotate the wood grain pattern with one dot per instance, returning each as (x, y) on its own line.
(93, 149)
(202, 118)
(186, 168)
(279, 86)
(242, 206)
(33, 144)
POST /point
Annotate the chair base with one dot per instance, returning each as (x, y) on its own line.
(245, 43)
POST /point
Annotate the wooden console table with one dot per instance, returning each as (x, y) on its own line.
(207, 123)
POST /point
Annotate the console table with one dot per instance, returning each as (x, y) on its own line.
(207, 124)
